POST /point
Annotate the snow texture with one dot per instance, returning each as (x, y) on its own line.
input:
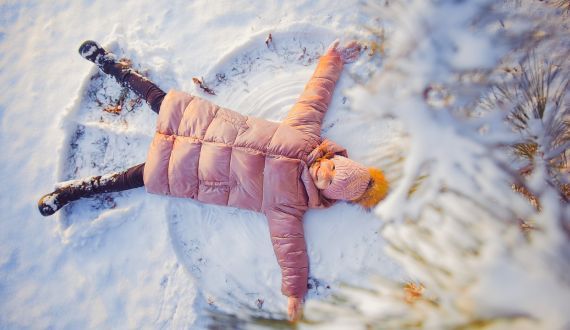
(454, 221)
(130, 259)
(451, 222)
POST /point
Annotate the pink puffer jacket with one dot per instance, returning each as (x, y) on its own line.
(219, 156)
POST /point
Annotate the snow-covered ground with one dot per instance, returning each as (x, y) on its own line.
(150, 261)
(480, 252)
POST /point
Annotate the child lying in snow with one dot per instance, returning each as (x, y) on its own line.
(219, 156)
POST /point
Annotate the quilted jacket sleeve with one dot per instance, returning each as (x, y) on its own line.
(288, 241)
(308, 113)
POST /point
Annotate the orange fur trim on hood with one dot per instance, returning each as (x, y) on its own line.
(376, 191)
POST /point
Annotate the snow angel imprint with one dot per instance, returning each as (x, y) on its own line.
(219, 156)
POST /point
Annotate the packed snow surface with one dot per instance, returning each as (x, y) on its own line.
(133, 259)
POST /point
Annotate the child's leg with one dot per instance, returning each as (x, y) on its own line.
(91, 186)
(126, 76)
(143, 87)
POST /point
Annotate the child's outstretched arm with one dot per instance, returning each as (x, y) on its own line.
(308, 113)
(288, 240)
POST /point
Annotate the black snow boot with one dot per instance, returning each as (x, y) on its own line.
(89, 187)
(69, 192)
(106, 61)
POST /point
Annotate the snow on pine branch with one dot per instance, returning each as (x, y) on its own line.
(453, 220)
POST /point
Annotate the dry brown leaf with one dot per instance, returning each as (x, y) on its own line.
(203, 86)
(114, 109)
(413, 292)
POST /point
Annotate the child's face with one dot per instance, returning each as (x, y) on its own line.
(322, 173)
